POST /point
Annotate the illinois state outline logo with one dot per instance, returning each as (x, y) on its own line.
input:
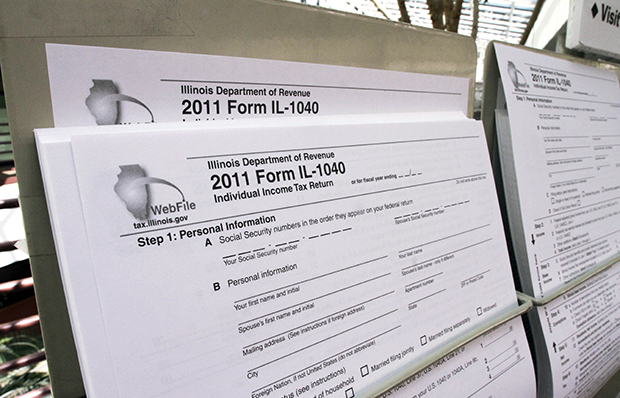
(132, 189)
(104, 102)
(517, 78)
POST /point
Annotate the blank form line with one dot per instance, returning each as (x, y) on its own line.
(472, 277)
(502, 362)
(285, 243)
(444, 238)
(565, 137)
(566, 160)
(321, 341)
(333, 356)
(178, 342)
(570, 171)
(313, 278)
(421, 280)
(500, 337)
(317, 298)
(566, 147)
(497, 376)
(503, 352)
(426, 297)
(447, 254)
(316, 320)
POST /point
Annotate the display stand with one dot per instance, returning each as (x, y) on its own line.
(247, 28)
(491, 92)
(525, 304)
(408, 329)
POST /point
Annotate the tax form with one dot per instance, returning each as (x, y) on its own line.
(493, 365)
(561, 162)
(564, 144)
(582, 335)
(100, 86)
(299, 260)
(95, 85)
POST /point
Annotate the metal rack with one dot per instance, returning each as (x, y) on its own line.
(538, 302)
(392, 380)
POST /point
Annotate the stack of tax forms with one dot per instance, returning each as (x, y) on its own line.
(284, 257)
(558, 130)
(318, 255)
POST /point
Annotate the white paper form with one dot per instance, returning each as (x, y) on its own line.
(95, 85)
(564, 126)
(582, 336)
(235, 281)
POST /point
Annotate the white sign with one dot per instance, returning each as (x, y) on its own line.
(594, 26)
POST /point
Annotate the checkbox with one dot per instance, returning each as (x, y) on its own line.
(364, 370)
(423, 340)
(479, 311)
(349, 393)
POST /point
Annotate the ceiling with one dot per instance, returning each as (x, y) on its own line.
(502, 20)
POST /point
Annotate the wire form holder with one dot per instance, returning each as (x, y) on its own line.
(539, 302)
(408, 371)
